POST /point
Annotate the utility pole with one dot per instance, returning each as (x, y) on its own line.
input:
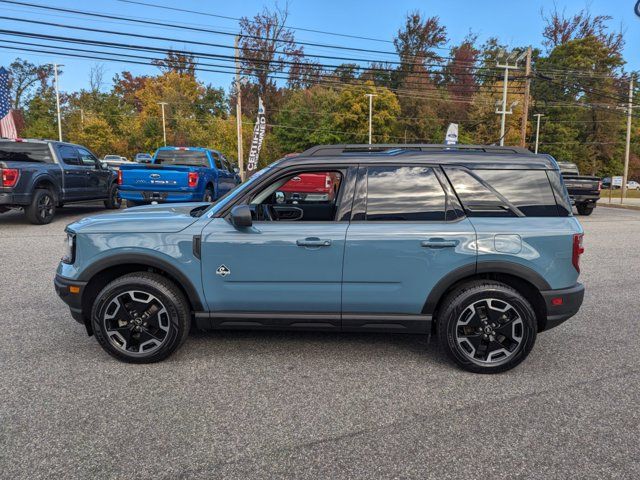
(370, 95)
(55, 76)
(164, 128)
(239, 109)
(538, 129)
(525, 104)
(627, 149)
(504, 112)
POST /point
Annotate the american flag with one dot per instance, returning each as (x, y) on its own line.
(8, 126)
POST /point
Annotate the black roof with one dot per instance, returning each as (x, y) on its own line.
(474, 156)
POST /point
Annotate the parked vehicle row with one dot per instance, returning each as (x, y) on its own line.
(475, 244)
(39, 176)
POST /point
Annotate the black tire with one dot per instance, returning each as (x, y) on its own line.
(463, 309)
(113, 202)
(42, 208)
(167, 327)
(585, 208)
(208, 195)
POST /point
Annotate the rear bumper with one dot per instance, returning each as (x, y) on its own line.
(144, 196)
(14, 199)
(584, 198)
(73, 300)
(562, 304)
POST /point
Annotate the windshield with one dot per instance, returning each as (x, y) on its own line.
(237, 191)
(112, 157)
(189, 158)
(25, 152)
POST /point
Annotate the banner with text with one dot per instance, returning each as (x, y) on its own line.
(258, 137)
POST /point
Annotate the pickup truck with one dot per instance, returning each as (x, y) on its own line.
(40, 175)
(177, 174)
(584, 191)
(311, 187)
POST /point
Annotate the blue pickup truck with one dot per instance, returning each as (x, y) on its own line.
(177, 174)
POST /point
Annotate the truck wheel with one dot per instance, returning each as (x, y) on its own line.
(487, 327)
(42, 207)
(585, 208)
(208, 196)
(113, 202)
(141, 318)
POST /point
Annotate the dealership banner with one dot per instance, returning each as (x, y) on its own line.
(258, 137)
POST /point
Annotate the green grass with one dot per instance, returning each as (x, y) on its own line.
(604, 194)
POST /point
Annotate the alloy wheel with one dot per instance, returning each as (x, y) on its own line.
(489, 331)
(45, 206)
(136, 322)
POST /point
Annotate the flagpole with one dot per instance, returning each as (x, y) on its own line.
(55, 73)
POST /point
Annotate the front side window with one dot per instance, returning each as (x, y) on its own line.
(404, 193)
(304, 196)
(87, 159)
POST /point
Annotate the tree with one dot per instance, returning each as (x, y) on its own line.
(182, 63)
(25, 78)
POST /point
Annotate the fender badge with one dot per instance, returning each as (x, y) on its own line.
(223, 271)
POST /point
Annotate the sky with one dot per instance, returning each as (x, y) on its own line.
(515, 23)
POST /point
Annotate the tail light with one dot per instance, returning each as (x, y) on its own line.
(10, 176)
(600, 185)
(193, 179)
(119, 177)
(578, 250)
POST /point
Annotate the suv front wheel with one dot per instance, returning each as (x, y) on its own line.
(141, 318)
(487, 327)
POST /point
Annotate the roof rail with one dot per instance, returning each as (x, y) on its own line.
(394, 148)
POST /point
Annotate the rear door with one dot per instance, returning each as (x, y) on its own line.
(407, 233)
(75, 177)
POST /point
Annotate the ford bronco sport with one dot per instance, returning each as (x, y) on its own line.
(476, 244)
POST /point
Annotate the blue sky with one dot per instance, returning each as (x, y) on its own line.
(515, 22)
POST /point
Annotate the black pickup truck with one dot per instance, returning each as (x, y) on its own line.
(584, 191)
(40, 175)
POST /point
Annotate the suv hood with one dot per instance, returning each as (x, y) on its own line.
(164, 218)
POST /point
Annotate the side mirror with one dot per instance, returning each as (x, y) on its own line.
(236, 170)
(103, 165)
(241, 216)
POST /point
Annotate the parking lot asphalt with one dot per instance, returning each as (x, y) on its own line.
(314, 405)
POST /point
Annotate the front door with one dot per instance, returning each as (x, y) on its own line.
(97, 177)
(406, 235)
(284, 270)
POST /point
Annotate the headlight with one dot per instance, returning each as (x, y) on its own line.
(69, 248)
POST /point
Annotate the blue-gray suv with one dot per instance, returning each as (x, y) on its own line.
(476, 244)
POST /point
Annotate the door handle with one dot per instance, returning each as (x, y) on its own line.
(313, 242)
(439, 243)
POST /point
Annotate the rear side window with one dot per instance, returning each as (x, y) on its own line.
(527, 190)
(218, 162)
(404, 194)
(25, 152)
(188, 158)
(69, 155)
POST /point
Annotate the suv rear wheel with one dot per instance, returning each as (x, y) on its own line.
(141, 318)
(487, 327)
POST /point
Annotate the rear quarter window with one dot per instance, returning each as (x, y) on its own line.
(528, 190)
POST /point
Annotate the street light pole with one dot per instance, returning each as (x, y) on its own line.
(504, 112)
(239, 109)
(628, 145)
(55, 76)
(538, 129)
(164, 128)
(370, 95)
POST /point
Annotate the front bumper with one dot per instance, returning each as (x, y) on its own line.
(71, 296)
(562, 304)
